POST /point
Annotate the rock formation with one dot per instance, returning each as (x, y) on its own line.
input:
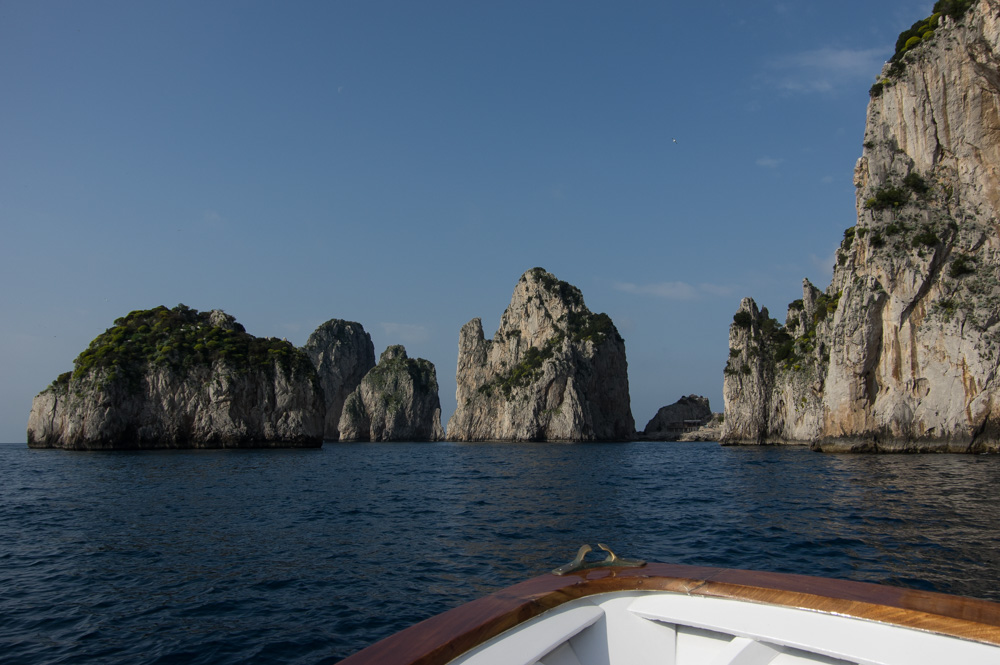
(178, 378)
(710, 431)
(396, 401)
(671, 421)
(554, 371)
(342, 353)
(901, 351)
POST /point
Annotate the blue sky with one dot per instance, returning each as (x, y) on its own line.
(401, 164)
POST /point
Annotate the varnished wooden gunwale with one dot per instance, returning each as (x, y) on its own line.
(444, 637)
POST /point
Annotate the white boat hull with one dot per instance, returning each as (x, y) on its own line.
(663, 628)
(667, 614)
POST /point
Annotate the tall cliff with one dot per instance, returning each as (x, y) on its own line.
(179, 378)
(554, 371)
(396, 401)
(901, 351)
(342, 353)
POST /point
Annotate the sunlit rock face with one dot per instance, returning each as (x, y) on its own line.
(554, 371)
(900, 352)
(396, 401)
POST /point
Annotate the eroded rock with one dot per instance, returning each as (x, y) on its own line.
(396, 401)
(554, 371)
(901, 352)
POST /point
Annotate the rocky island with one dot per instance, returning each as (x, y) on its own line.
(396, 401)
(901, 351)
(685, 416)
(554, 371)
(179, 378)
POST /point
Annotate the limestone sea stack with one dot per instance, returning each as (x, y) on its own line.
(342, 353)
(396, 401)
(554, 371)
(179, 378)
(901, 351)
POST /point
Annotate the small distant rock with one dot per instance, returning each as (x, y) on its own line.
(710, 431)
(686, 415)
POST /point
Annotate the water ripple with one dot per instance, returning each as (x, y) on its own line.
(305, 556)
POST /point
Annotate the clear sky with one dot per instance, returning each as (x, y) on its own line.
(402, 163)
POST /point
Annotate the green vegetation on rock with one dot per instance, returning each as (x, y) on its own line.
(771, 341)
(825, 305)
(887, 197)
(927, 238)
(526, 371)
(916, 183)
(962, 265)
(954, 8)
(566, 291)
(588, 327)
(394, 363)
(921, 31)
(848, 238)
(180, 338)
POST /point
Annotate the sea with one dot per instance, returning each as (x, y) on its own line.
(305, 556)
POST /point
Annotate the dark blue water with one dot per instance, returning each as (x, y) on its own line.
(306, 556)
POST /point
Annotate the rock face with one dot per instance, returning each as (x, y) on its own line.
(900, 353)
(554, 371)
(396, 401)
(671, 421)
(178, 378)
(342, 353)
(710, 431)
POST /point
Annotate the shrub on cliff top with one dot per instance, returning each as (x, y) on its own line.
(953, 8)
(924, 29)
(566, 291)
(743, 319)
(181, 338)
(585, 326)
(917, 32)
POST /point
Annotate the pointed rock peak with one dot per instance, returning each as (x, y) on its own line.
(554, 371)
(746, 315)
(537, 280)
(544, 307)
(394, 352)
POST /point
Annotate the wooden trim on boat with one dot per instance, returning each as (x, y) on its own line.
(446, 636)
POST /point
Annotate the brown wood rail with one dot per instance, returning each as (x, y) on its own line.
(441, 638)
